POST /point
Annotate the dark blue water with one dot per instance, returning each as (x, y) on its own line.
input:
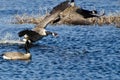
(79, 53)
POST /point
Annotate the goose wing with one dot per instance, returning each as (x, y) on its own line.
(54, 15)
(46, 21)
(60, 7)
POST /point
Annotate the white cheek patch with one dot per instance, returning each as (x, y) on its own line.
(29, 41)
(24, 40)
(25, 36)
(72, 4)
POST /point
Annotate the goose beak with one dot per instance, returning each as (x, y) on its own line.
(54, 34)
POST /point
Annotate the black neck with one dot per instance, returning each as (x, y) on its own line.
(27, 43)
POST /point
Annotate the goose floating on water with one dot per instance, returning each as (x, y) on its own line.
(19, 55)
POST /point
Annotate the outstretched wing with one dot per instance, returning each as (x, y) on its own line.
(60, 7)
(28, 32)
(46, 21)
(33, 35)
(54, 15)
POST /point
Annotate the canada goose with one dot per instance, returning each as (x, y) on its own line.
(39, 31)
(18, 55)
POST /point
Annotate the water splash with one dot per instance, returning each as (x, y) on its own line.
(8, 36)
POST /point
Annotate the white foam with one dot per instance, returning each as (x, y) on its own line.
(11, 42)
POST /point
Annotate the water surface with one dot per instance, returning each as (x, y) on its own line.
(79, 53)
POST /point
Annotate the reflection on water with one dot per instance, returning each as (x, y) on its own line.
(79, 53)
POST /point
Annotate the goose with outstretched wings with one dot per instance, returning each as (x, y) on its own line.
(39, 31)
